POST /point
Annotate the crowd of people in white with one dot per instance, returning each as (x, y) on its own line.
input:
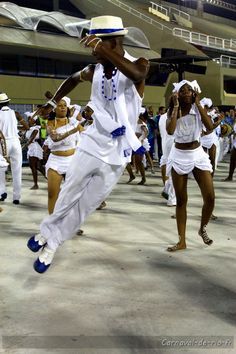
(191, 136)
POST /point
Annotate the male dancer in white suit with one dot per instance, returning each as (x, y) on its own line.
(105, 148)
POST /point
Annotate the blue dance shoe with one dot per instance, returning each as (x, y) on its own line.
(44, 261)
(36, 242)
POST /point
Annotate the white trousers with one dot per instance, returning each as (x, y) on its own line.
(88, 182)
(14, 153)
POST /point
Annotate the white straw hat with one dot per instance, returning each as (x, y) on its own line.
(103, 26)
(4, 98)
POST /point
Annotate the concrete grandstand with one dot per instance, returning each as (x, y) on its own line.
(40, 48)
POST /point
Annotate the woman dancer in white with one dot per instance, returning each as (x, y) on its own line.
(62, 142)
(209, 139)
(35, 151)
(185, 118)
(167, 142)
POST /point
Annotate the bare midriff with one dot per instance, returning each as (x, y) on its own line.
(188, 146)
(64, 153)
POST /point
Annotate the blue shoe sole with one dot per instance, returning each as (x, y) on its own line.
(33, 245)
(3, 197)
(40, 267)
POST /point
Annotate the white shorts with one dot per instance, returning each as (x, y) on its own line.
(35, 150)
(184, 161)
(59, 164)
(208, 140)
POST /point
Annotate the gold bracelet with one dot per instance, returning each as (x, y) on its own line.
(95, 47)
(176, 106)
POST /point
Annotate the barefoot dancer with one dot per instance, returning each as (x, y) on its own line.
(185, 118)
(35, 151)
(62, 142)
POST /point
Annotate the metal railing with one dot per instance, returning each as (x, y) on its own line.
(205, 40)
(226, 61)
(159, 8)
(168, 10)
(188, 36)
(173, 10)
(139, 15)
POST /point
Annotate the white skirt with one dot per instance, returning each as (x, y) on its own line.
(35, 150)
(59, 164)
(184, 161)
(208, 140)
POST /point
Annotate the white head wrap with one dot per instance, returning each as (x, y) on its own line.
(142, 110)
(206, 102)
(28, 114)
(67, 100)
(193, 84)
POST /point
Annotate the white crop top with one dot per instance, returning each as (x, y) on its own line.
(66, 144)
(30, 131)
(189, 127)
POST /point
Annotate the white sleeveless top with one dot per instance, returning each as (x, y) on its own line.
(8, 123)
(30, 131)
(111, 114)
(189, 127)
(66, 144)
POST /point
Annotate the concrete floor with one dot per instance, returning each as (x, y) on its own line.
(116, 289)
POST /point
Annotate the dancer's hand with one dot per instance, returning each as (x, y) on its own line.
(196, 97)
(118, 132)
(175, 99)
(44, 110)
(91, 41)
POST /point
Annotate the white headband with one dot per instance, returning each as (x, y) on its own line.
(193, 84)
(206, 102)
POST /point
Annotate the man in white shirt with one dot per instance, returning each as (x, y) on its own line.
(118, 82)
(8, 126)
